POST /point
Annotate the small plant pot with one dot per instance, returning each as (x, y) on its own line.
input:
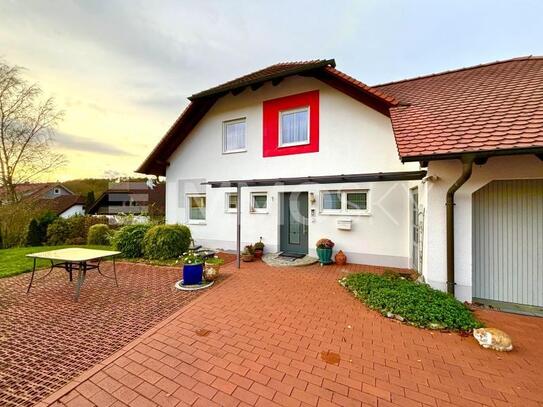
(247, 257)
(192, 273)
(340, 258)
(258, 253)
(211, 271)
(325, 255)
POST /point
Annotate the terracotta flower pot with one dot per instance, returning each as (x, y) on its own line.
(211, 271)
(340, 258)
(258, 253)
(247, 257)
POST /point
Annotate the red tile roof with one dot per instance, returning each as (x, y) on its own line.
(276, 71)
(495, 106)
(61, 203)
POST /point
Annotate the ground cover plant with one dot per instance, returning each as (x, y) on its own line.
(415, 303)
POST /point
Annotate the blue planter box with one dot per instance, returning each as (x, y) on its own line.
(192, 273)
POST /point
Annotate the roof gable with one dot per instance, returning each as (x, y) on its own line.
(323, 70)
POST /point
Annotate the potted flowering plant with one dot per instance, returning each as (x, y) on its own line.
(248, 253)
(212, 267)
(259, 249)
(324, 251)
(193, 268)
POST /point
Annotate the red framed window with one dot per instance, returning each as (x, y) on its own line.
(291, 124)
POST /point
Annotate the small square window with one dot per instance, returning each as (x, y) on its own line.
(357, 201)
(331, 201)
(197, 208)
(234, 136)
(231, 202)
(259, 202)
(294, 127)
(354, 202)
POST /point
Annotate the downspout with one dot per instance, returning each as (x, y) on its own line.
(467, 166)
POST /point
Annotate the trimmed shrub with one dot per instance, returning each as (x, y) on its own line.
(33, 237)
(99, 235)
(129, 240)
(418, 304)
(58, 232)
(163, 242)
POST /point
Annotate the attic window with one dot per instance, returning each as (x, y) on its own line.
(56, 191)
(294, 127)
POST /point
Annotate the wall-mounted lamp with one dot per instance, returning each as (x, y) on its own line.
(312, 198)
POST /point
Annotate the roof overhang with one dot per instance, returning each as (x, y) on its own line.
(321, 179)
(477, 154)
(237, 88)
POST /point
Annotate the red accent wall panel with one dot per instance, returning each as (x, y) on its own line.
(270, 125)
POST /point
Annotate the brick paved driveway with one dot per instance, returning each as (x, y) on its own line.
(47, 339)
(268, 328)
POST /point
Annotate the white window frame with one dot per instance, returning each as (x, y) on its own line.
(195, 221)
(224, 126)
(344, 210)
(297, 143)
(259, 210)
(227, 208)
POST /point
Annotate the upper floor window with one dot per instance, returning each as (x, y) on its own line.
(354, 202)
(56, 191)
(291, 124)
(234, 136)
(294, 127)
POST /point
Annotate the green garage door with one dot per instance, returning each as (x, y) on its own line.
(508, 244)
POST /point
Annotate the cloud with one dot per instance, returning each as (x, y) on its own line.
(80, 144)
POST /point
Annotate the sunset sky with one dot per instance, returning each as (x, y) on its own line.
(122, 70)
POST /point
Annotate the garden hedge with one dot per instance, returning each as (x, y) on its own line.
(416, 303)
(99, 235)
(129, 240)
(164, 242)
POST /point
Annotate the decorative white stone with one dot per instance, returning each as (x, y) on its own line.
(492, 338)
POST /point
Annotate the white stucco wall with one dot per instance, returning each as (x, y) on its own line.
(353, 139)
(72, 211)
(435, 258)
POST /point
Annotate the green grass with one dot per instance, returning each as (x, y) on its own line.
(14, 261)
(418, 304)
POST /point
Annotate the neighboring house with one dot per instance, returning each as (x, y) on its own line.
(135, 198)
(51, 196)
(314, 153)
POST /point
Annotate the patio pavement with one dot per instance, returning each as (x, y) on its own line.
(47, 339)
(267, 330)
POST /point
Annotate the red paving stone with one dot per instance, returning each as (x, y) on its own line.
(47, 339)
(268, 327)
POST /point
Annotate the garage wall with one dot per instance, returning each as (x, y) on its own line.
(508, 242)
(447, 171)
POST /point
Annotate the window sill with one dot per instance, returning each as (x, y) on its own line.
(235, 151)
(259, 212)
(196, 222)
(231, 211)
(325, 213)
(304, 143)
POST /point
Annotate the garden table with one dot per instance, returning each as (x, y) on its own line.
(71, 259)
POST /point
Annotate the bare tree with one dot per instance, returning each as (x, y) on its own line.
(27, 123)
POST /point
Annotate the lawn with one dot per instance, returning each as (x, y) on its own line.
(14, 261)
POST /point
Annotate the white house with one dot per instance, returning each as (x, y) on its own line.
(315, 153)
